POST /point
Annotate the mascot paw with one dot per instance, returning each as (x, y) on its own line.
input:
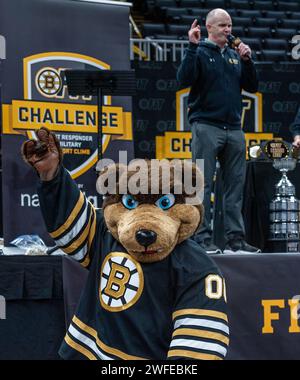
(44, 153)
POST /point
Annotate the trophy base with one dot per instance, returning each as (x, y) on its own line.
(284, 245)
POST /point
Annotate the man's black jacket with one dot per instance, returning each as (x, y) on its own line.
(216, 78)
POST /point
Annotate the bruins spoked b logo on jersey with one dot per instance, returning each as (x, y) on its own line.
(122, 282)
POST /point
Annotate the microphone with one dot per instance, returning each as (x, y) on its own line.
(234, 42)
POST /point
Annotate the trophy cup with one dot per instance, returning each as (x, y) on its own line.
(285, 207)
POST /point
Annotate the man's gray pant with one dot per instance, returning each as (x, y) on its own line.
(228, 146)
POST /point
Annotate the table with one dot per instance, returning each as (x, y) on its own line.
(33, 291)
(39, 304)
(41, 295)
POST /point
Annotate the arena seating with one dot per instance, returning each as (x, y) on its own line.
(267, 26)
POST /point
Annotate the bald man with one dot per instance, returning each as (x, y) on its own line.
(217, 74)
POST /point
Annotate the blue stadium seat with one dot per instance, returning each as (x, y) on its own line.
(293, 24)
(264, 5)
(199, 12)
(178, 30)
(215, 4)
(274, 55)
(275, 14)
(252, 13)
(260, 32)
(175, 12)
(190, 3)
(294, 15)
(285, 33)
(288, 6)
(189, 19)
(232, 12)
(241, 4)
(242, 21)
(266, 22)
(276, 44)
(238, 31)
(150, 29)
(203, 11)
(254, 43)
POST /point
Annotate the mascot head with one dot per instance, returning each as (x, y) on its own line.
(151, 206)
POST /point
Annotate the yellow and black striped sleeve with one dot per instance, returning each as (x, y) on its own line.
(70, 218)
(85, 343)
(200, 323)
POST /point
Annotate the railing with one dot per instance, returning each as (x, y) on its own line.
(134, 26)
(158, 50)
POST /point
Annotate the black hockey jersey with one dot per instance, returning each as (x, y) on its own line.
(171, 309)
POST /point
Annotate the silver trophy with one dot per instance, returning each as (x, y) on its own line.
(285, 207)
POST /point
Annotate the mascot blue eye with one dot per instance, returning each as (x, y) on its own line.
(165, 202)
(129, 202)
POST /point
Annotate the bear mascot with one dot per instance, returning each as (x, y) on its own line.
(151, 292)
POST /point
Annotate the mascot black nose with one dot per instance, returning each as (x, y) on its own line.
(145, 237)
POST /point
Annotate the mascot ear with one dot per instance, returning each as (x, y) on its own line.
(109, 177)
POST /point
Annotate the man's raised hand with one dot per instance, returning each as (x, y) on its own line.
(194, 33)
(244, 51)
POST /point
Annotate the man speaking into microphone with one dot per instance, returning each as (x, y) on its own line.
(217, 73)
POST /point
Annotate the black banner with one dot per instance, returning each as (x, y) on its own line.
(43, 38)
(263, 303)
(160, 123)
